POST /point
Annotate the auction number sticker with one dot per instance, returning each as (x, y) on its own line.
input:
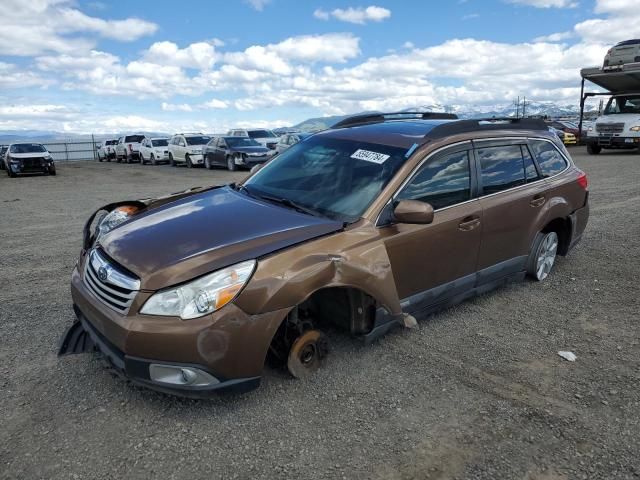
(374, 157)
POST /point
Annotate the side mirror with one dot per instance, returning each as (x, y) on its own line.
(413, 211)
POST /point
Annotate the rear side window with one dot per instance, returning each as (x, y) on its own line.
(550, 160)
(442, 182)
(529, 167)
(134, 138)
(502, 168)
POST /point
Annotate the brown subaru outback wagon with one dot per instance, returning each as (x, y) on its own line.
(365, 226)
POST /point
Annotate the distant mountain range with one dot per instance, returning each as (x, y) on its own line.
(547, 109)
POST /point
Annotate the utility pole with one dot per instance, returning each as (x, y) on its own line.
(524, 106)
(517, 104)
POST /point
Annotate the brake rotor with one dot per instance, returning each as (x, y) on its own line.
(307, 353)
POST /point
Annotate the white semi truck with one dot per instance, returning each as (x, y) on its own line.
(618, 126)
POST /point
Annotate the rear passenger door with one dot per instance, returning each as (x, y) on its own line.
(512, 197)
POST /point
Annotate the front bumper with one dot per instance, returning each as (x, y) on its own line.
(43, 167)
(249, 161)
(196, 158)
(228, 345)
(613, 141)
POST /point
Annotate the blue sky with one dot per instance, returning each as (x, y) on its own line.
(98, 66)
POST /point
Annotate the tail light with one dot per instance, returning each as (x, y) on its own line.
(130, 148)
(582, 181)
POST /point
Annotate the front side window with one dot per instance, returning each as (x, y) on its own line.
(441, 182)
(550, 160)
(336, 178)
(502, 168)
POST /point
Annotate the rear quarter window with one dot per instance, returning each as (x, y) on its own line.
(550, 160)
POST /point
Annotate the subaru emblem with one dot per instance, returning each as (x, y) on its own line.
(103, 274)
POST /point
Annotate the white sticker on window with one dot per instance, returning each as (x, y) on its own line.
(374, 157)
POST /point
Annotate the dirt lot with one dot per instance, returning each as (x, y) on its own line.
(477, 391)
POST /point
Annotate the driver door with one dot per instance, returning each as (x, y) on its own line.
(434, 262)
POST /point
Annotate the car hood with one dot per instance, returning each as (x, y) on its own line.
(29, 155)
(254, 149)
(204, 232)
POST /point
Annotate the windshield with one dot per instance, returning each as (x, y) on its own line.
(261, 133)
(27, 148)
(133, 138)
(627, 104)
(241, 142)
(163, 142)
(336, 178)
(198, 140)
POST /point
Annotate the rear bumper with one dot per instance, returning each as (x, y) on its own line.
(579, 220)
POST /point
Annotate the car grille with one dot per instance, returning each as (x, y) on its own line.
(108, 283)
(609, 127)
(35, 162)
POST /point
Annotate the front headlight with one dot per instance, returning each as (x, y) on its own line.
(114, 218)
(196, 152)
(201, 296)
(48, 158)
(635, 128)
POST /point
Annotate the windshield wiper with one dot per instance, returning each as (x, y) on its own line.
(289, 204)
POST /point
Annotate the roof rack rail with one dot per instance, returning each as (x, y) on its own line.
(367, 118)
(485, 124)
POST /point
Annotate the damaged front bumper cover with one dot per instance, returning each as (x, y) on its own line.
(186, 380)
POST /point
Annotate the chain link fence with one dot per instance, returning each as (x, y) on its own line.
(69, 150)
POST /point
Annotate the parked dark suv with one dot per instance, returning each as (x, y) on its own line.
(364, 226)
(235, 152)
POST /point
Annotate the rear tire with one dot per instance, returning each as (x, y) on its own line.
(543, 255)
(231, 164)
(593, 149)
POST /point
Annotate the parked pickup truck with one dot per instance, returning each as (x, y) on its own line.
(107, 150)
(128, 148)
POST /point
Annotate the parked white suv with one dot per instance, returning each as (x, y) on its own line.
(107, 150)
(154, 150)
(128, 148)
(266, 138)
(187, 148)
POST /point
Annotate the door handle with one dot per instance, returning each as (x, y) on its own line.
(538, 201)
(469, 223)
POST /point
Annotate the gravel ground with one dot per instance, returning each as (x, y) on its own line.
(477, 391)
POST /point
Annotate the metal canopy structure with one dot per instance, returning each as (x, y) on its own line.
(622, 80)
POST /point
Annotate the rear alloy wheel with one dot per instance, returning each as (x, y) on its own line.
(231, 163)
(307, 353)
(543, 255)
(188, 160)
(593, 149)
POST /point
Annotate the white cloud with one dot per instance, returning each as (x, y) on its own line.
(554, 37)
(13, 77)
(258, 4)
(200, 55)
(172, 107)
(330, 47)
(358, 15)
(214, 103)
(546, 3)
(35, 27)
